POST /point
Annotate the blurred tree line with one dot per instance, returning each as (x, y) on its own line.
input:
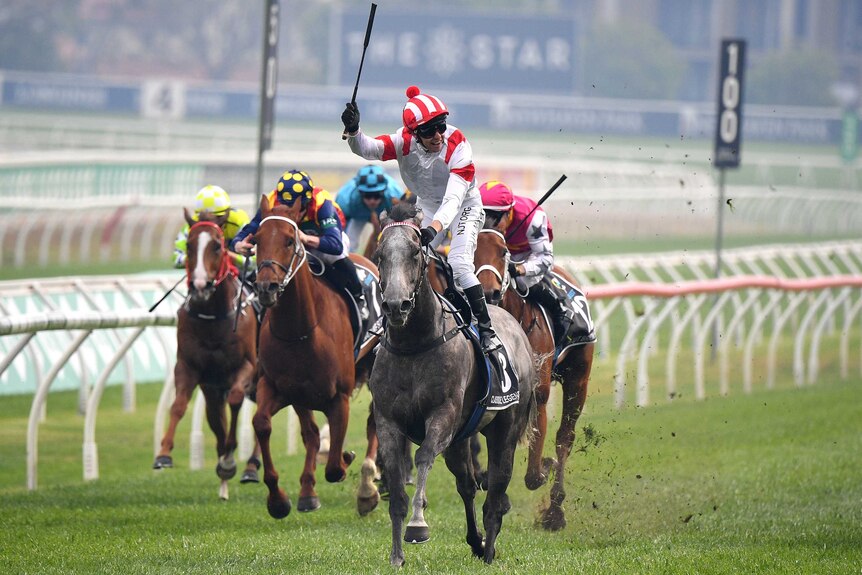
(220, 40)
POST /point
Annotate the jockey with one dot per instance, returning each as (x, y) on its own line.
(215, 200)
(364, 197)
(436, 164)
(321, 227)
(531, 246)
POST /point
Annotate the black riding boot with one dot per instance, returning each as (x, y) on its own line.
(561, 315)
(345, 276)
(487, 335)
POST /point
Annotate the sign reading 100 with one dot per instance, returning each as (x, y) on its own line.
(728, 133)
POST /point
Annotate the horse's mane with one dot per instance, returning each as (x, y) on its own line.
(402, 211)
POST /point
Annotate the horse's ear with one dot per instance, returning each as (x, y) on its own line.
(220, 220)
(189, 220)
(265, 209)
(384, 218)
(419, 216)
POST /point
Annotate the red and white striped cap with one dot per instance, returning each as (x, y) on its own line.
(421, 108)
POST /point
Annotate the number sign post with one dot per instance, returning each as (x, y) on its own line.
(268, 78)
(728, 132)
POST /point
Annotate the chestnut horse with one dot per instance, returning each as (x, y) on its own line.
(572, 369)
(210, 354)
(306, 358)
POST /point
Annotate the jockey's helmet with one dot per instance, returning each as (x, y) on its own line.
(496, 196)
(294, 185)
(371, 180)
(424, 113)
(212, 199)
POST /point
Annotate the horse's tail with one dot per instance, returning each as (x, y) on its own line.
(531, 429)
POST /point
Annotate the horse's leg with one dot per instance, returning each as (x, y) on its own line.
(479, 475)
(459, 461)
(338, 415)
(308, 500)
(185, 385)
(217, 419)
(393, 445)
(252, 466)
(537, 467)
(368, 497)
(574, 383)
(502, 440)
(277, 502)
(438, 433)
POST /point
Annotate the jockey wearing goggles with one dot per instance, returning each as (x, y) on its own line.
(531, 246)
(215, 200)
(365, 197)
(321, 226)
(436, 164)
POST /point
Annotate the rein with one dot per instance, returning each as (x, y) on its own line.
(293, 267)
(505, 277)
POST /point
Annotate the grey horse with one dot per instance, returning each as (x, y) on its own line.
(425, 384)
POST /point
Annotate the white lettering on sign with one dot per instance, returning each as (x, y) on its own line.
(446, 50)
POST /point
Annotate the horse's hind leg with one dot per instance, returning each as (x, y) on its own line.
(338, 416)
(252, 466)
(458, 459)
(184, 385)
(368, 497)
(538, 468)
(308, 500)
(574, 382)
(277, 502)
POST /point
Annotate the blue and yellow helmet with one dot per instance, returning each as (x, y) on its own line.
(294, 185)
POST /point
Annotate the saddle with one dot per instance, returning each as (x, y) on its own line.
(581, 330)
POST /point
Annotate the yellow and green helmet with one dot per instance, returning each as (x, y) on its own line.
(212, 199)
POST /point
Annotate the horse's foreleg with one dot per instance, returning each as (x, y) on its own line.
(437, 437)
(538, 468)
(308, 500)
(393, 444)
(217, 419)
(235, 398)
(459, 461)
(184, 385)
(574, 384)
(368, 497)
(277, 502)
(338, 416)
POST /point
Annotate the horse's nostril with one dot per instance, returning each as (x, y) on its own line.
(271, 287)
(405, 306)
(496, 295)
(385, 307)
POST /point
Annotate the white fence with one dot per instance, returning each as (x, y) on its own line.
(76, 327)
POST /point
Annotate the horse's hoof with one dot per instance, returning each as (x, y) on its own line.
(163, 462)
(278, 509)
(309, 503)
(348, 457)
(366, 505)
(249, 476)
(417, 534)
(225, 471)
(478, 548)
(336, 475)
(533, 482)
(553, 519)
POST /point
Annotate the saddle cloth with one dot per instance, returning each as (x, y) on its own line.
(582, 329)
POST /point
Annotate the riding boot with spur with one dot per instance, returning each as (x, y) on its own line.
(345, 272)
(488, 337)
(561, 315)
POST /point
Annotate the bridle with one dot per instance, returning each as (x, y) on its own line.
(293, 267)
(505, 277)
(226, 267)
(424, 256)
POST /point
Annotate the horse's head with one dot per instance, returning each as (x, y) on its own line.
(280, 252)
(400, 261)
(492, 264)
(207, 259)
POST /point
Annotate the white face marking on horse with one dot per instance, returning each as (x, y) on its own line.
(199, 274)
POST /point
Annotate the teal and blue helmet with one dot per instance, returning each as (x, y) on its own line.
(371, 180)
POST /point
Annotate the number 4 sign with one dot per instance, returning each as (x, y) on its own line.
(728, 132)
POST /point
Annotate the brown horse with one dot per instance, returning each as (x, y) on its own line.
(306, 357)
(210, 354)
(572, 370)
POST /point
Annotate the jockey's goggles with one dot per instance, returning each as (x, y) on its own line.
(428, 130)
(372, 196)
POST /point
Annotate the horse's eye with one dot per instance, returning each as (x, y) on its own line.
(218, 247)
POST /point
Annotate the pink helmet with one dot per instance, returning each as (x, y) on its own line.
(496, 196)
(421, 109)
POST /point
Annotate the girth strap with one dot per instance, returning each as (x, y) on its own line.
(387, 345)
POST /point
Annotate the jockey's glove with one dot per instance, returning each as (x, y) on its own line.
(513, 269)
(350, 118)
(427, 235)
